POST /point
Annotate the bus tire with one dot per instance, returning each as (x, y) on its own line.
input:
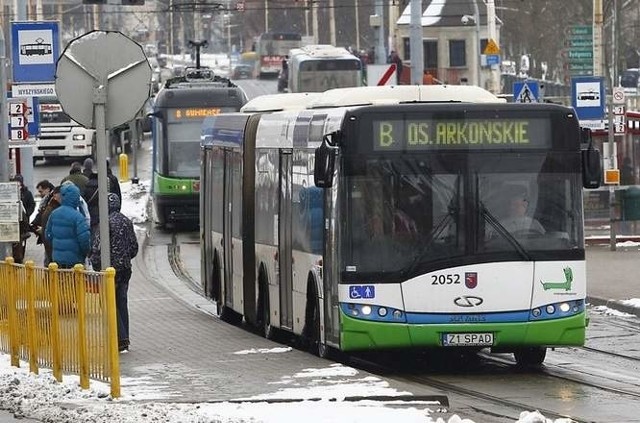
(530, 357)
(312, 323)
(268, 331)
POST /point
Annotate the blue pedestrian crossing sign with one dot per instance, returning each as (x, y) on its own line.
(526, 92)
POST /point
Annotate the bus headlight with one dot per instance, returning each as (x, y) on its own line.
(536, 312)
(78, 137)
(382, 311)
(551, 309)
(565, 307)
(366, 310)
(397, 314)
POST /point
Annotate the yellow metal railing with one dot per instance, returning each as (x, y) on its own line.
(63, 319)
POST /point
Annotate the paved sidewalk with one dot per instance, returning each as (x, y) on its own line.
(613, 276)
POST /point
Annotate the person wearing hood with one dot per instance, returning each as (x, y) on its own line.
(123, 247)
(91, 196)
(87, 167)
(67, 230)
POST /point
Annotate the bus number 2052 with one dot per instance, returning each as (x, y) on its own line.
(445, 279)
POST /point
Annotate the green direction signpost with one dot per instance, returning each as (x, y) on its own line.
(579, 51)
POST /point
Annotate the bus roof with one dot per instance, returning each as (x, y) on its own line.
(279, 102)
(395, 94)
(318, 51)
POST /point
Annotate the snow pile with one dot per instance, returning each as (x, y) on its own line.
(134, 200)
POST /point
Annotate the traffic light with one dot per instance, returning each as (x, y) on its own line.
(94, 1)
(133, 2)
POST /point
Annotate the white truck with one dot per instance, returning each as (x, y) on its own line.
(60, 136)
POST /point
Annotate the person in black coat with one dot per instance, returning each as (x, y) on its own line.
(90, 194)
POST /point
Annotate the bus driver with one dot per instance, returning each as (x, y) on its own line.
(516, 220)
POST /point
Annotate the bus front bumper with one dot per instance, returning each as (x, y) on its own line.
(359, 334)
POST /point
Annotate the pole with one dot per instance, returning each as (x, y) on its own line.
(612, 194)
(415, 42)
(99, 110)
(598, 45)
(4, 127)
(380, 50)
(266, 15)
(332, 22)
(356, 6)
(476, 18)
(316, 36)
(494, 85)
(171, 30)
(26, 153)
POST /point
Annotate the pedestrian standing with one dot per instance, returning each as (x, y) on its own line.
(44, 189)
(123, 247)
(25, 196)
(76, 176)
(114, 184)
(87, 167)
(67, 230)
(43, 218)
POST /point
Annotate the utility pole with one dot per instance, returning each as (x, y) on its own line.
(356, 6)
(380, 50)
(332, 22)
(25, 153)
(266, 15)
(598, 45)
(415, 42)
(476, 18)
(494, 80)
(316, 37)
(4, 126)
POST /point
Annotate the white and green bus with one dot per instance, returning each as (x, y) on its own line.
(377, 218)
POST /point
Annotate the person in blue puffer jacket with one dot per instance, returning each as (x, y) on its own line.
(67, 230)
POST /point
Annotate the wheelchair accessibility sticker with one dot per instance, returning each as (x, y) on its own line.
(362, 291)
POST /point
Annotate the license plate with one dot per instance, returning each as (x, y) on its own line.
(467, 339)
(50, 153)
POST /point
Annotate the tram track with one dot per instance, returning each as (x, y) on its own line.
(484, 403)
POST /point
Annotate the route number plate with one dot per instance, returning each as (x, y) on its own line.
(467, 339)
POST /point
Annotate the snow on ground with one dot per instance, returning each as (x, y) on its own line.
(611, 311)
(42, 397)
(134, 200)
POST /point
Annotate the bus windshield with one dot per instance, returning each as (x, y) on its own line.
(409, 214)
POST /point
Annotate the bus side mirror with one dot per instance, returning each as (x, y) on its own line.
(591, 162)
(325, 163)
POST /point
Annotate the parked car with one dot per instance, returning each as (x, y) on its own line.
(242, 71)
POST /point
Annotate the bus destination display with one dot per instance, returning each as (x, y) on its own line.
(434, 134)
(193, 113)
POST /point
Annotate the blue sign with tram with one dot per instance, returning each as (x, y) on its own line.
(35, 49)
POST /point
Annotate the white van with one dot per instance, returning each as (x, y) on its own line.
(60, 136)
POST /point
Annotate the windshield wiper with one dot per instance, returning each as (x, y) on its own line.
(489, 217)
(433, 235)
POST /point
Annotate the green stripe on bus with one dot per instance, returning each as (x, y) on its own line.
(367, 335)
(173, 186)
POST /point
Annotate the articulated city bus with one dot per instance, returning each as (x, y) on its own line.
(180, 109)
(318, 68)
(381, 218)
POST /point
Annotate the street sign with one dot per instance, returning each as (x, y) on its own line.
(33, 120)
(492, 47)
(618, 95)
(493, 59)
(35, 48)
(526, 92)
(579, 55)
(588, 100)
(382, 74)
(121, 69)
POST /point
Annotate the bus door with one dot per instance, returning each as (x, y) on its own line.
(284, 240)
(227, 234)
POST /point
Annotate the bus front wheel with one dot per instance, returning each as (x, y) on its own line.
(268, 330)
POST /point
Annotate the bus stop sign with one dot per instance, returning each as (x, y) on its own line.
(108, 60)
